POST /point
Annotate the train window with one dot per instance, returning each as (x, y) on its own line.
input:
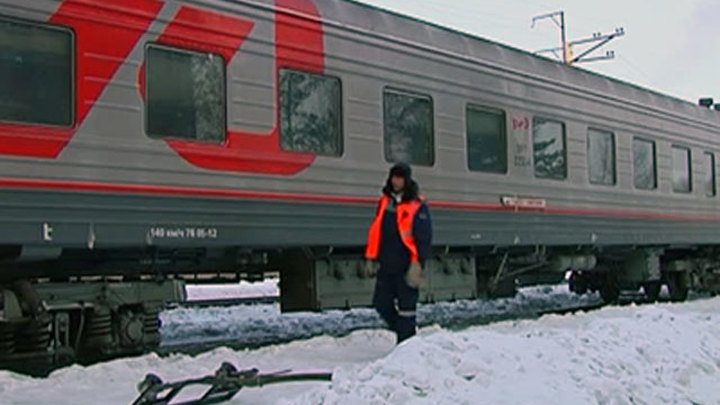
(549, 149)
(681, 178)
(644, 164)
(709, 164)
(310, 113)
(408, 123)
(486, 139)
(601, 156)
(185, 94)
(36, 73)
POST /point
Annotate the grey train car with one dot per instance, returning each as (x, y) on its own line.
(142, 141)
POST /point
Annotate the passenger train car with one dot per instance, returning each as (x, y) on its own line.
(142, 141)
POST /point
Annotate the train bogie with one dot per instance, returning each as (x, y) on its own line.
(81, 320)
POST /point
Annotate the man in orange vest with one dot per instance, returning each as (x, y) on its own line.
(400, 239)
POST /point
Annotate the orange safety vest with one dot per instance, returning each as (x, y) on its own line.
(405, 216)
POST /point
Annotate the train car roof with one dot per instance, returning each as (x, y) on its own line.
(411, 31)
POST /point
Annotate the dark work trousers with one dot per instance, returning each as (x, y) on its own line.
(396, 302)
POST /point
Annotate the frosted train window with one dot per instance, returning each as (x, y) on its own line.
(681, 178)
(601, 156)
(408, 127)
(185, 94)
(486, 139)
(645, 173)
(549, 149)
(36, 73)
(310, 113)
(709, 166)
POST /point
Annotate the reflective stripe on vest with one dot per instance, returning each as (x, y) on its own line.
(405, 212)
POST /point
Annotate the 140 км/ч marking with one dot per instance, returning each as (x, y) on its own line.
(191, 232)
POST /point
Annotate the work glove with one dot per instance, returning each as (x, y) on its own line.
(415, 277)
(367, 269)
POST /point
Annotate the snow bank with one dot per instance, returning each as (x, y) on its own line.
(115, 382)
(634, 355)
(666, 353)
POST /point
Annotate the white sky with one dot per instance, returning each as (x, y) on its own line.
(671, 46)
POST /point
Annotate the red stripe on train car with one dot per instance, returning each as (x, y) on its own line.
(193, 192)
(176, 191)
(94, 22)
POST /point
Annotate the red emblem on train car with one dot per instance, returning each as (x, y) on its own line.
(101, 48)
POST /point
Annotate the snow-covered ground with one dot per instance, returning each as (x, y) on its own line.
(651, 354)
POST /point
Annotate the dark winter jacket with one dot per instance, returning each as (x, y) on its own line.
(394, 255)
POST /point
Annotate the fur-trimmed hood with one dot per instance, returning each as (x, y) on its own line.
(411, 191)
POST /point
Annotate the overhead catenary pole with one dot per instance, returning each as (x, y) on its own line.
(604, 39)
(566, 47)
(561, 25)
(563, 38)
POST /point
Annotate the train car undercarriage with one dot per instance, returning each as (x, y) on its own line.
(327, 281)
(45, 322)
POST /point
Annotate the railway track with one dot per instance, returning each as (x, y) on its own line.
(227, 302)
(251, 344)
(457, 323)
(624, 299)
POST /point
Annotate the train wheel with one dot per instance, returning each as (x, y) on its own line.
(610, 289)
(652, 290)
(678, 286)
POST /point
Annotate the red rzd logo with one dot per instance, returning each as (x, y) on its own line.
(520, 123)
